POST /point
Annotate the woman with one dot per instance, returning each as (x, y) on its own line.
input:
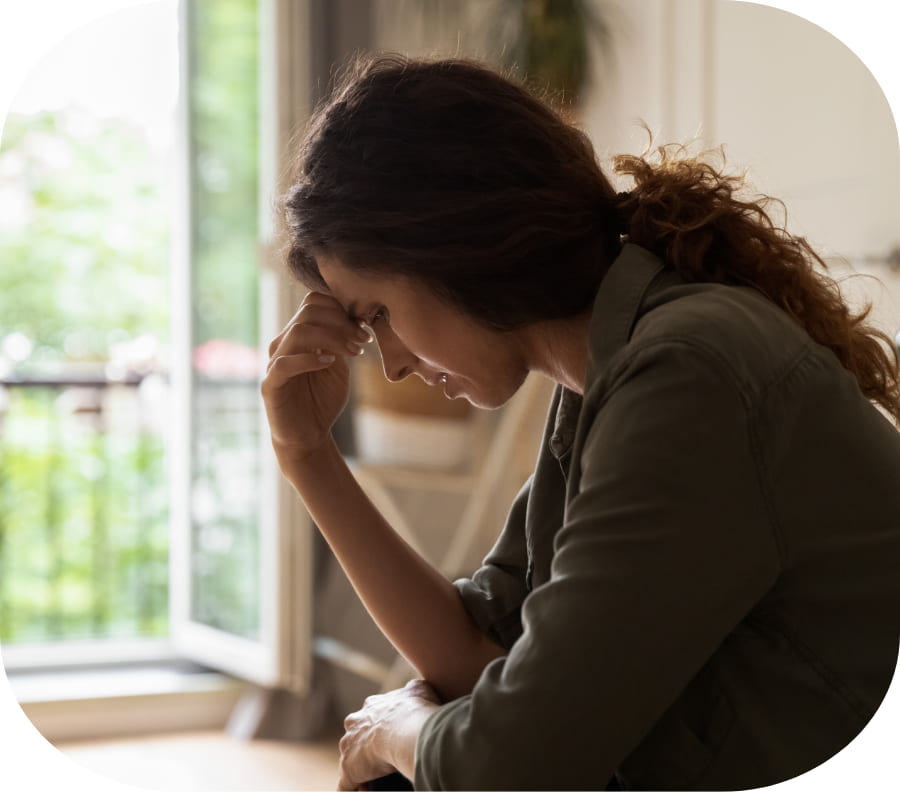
(698, 586)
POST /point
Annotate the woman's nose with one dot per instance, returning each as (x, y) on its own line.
(397, 360)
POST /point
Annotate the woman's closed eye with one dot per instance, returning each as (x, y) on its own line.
(379, 314)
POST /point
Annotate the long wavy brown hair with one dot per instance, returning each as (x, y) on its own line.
(449, 173)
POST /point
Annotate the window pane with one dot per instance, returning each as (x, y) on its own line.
(84, 258)
(223, 42)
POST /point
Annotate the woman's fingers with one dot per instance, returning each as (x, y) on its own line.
(320, 298)
(285, 367)
(303, 337)
(313, 331)
(319, 309)
(307, 382)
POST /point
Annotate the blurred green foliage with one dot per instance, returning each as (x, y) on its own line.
(84, 263)
(83, 525)
(224, 140)
(549, 42)
(84, 247)
(224, 74)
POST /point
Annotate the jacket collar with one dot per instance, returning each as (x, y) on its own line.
(616, 307)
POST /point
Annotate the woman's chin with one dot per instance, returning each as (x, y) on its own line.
(484, 401)
(452, 392)
(489, 398)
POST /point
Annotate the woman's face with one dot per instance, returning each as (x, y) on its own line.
(418, 333)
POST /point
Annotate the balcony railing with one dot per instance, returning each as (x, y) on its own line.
(83, 509)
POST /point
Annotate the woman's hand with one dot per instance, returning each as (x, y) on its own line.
(307, 381)
(381, 737)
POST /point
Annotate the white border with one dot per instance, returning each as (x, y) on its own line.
(869, 27)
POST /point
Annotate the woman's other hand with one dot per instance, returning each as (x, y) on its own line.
(307, 381)
(381, 737)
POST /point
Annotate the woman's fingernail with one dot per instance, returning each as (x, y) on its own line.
(355, 349)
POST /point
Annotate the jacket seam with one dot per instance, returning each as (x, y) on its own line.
(722, 365)
(815, 663)
(751, 413)
(763, 473)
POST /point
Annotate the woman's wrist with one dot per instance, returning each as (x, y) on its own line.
(302, 467)
(403, 737)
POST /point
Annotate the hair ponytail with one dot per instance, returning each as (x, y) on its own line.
(686, 212)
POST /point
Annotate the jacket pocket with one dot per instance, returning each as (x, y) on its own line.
(681, 746)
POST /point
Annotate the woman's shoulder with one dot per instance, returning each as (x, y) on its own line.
(737, 327)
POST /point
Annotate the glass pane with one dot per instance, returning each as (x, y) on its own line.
(84, 327)
(223, 42)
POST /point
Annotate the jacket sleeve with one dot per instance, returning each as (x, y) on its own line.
(664, 549)
(493, 596)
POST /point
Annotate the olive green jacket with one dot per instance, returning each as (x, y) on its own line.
(700, 585)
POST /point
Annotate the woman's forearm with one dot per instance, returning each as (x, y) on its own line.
(415, 606)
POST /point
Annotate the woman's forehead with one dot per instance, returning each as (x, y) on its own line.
(362, 284)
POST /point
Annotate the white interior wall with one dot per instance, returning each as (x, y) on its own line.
(803, 110)
(790, 103)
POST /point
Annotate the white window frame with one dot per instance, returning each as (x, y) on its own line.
(282, 655)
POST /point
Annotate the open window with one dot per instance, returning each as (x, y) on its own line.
(142, 515)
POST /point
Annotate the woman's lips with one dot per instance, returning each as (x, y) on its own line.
(440, 379)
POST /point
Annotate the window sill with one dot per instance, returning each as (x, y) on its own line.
(96, 703)
(65, 655)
